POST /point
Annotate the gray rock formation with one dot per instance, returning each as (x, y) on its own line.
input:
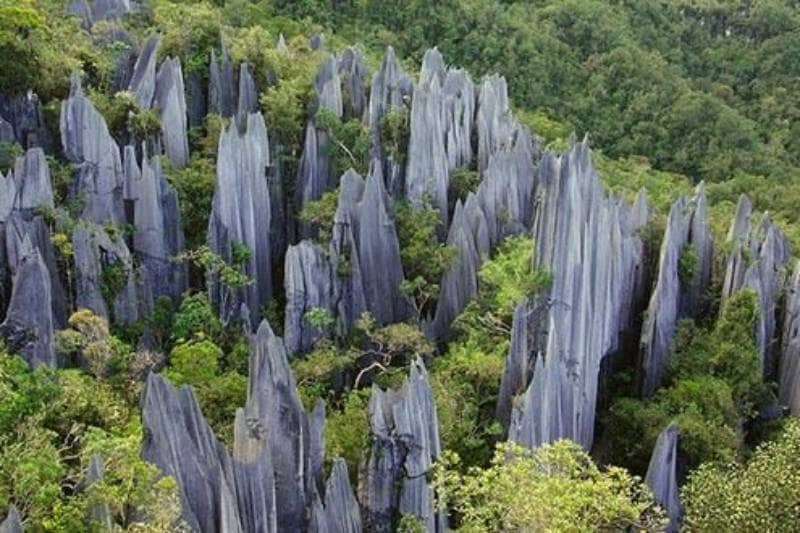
(28, 186)
(587, 240)
(379, 253)
(309, 284)
(179, 441)
(339, 512)
(25, 117)
(518, 369)
(99, 513)
(12, 522)
(678, 293)
(143, 80)
(494, 120)
(391, 89)
(158, 235)
(221, 85)
(104, 270)
(248, 94)
(662, 476)
(170, 100)
(28, 326)
(405, 443)
(88, 143)
(240, 215)
(111, 9)
(353, 76)
(759, 252)
(6, 132)
(81, 9)
(196, 99)
(789, 370)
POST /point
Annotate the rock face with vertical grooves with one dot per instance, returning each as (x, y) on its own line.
(405, 443)
(494, 120)
(391, 89)
(315, 174)
(97, 255)
(88, 143)
(339, 512)
(662, 476)
(379, 253)
(170, 100)
(28, 326)
(12, 522)
(309, 285)
(110, 9)
(143, 80)
(180, 442)
(586, 240)
(23, 115)
(248, 94)
(81, 9)
(276, 418)
(353, 75)
(677, 293)
(240, 215)
(221, 85)
(759, 252)
(789, 369)
(427, 170)
(156, 216)
(99, 513)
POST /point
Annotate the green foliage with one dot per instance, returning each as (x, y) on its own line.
(555, 487)
(9, 152)
(322, 214)
(320, 318)
(229, 274)
(194, 185)
(347, 430)
(190, 31)
(113, 278)
(22, 392)
(394, 133)
(349, 142)
(195, 317)
(462, 182)
(424, 258)
(687, 265)
(714, 383)
(761, 495)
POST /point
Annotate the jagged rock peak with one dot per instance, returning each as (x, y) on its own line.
(99, 513)
(789, 372)
(111, 9)
(281, 45)
(328, 86)
(353, 74)
(759, 253)
(22, 120)
(662, 475)
(248, 94)
(495, 123)
(28, 186)
(28, 326)
(405, 443)
(339, 513)
(12, 522)
(309, 285)
(143, 79)
(240, 215)
(678, 293)
(180, 442)
(88, 143)
(157, 218)
(586, 241)
(170, 100)
(221, 84)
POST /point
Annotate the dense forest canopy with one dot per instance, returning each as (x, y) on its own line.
(331, 265)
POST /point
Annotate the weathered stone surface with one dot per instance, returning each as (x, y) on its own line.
(111, 9)
(88, 143)
(241, 215)
(196, 99)
(316, 42)
(24, 114)
(662, 476)
(339, 513)
(26, 225)
(586, 241)
(248, 94)
(6, 132)
(254, 475)
(379, 253)
(29, 185)
(158, 235)
(789, 371)
(12, 522)
(519, 363)
(221, 85)
(759, 253)
(143, 80)
(81, 9)
(495, 122)
(405, 443)
(95, 252)
(309, 284)
(677, 294)
(276, 417)
(391, 89)
(353, 75)
(170, 101)
(99, 513)
(180, 442)
(28, 326)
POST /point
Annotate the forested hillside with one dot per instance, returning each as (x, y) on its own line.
(399, 265)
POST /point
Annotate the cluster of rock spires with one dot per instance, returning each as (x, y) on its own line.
(273, 478)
